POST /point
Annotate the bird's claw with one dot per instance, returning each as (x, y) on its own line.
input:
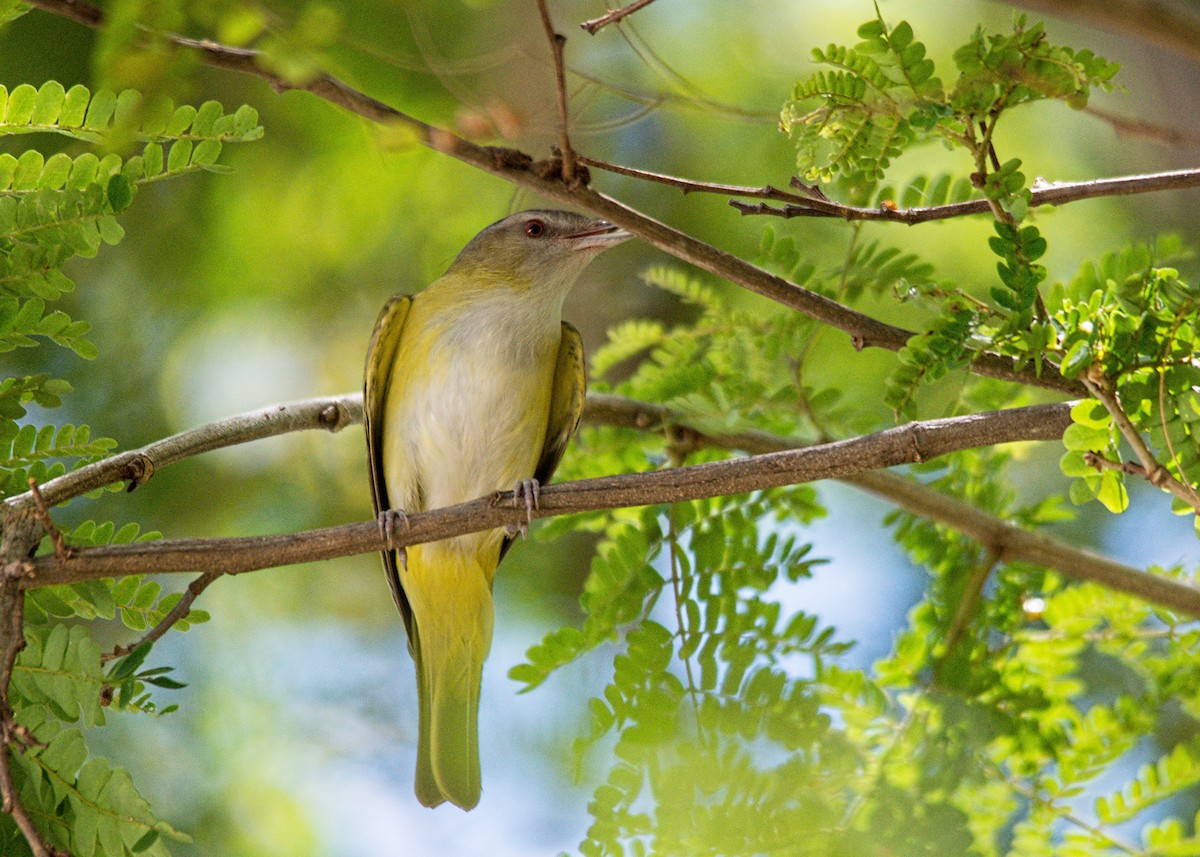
(529, 491)
(388, 519)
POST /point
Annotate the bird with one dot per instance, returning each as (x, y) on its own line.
(471, 386)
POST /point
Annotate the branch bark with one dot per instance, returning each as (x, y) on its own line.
(1058, 193)
(809, 201)
(544, 177)
(558, 44)
(595, 25)
(910, 443)
(21, 534)
(1009, 541)
(139, 465)
(1003, 538)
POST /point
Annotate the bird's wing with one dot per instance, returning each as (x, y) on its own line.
(566, 407)
(381, 355)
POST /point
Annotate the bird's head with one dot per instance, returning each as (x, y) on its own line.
(538, 249)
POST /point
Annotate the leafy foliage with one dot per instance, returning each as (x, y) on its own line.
(51, 210)
(1016, 714)
(1130, 326)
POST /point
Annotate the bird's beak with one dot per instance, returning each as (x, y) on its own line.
(597, 235)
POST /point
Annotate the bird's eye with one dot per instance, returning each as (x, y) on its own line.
(535, 228)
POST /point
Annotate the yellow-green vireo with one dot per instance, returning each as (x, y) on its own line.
(472, 386)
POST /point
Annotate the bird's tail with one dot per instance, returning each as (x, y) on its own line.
(450, 591)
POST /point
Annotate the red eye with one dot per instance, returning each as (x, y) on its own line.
(535, 228)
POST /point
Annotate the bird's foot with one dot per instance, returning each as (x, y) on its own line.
(388, 519)
(527, 490)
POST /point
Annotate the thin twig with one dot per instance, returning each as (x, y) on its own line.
(812, 202)
(42, 513)
(596, 24)
(558, 43)
(138, 465)
(1153, 471)
(966, 608)
(519, 169)
(181, 609)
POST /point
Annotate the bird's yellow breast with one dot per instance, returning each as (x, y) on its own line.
(467, 409)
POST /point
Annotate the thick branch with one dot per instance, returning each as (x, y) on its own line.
(20, 534)
(850, 461)
(910, 443)
(1005, 540)
(545, 178)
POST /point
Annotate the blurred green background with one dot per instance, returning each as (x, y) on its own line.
(295, 735)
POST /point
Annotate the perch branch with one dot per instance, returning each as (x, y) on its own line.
(1003, 538)
(545, 178)
(1010, 541)
(913, 442)
(776, 462)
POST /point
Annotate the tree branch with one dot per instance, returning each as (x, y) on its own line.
(812, 202)
(1058, 193)
(182, 607)
(851, 461)
(1155, 473)
(910, 443)
(596, 24)
(138, 465)
(558, 43)
(21, 533)
(545, 178)
(1003, 538)
(1009, 541)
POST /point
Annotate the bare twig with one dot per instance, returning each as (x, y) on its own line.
(558, 43)
(138, 465)
(966, 608)
(519, 169)
(811, 201)
(42, 513)
(1153, 471)
(596, 24)
(1101, 462)
(1042, 194)
(182, 607)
